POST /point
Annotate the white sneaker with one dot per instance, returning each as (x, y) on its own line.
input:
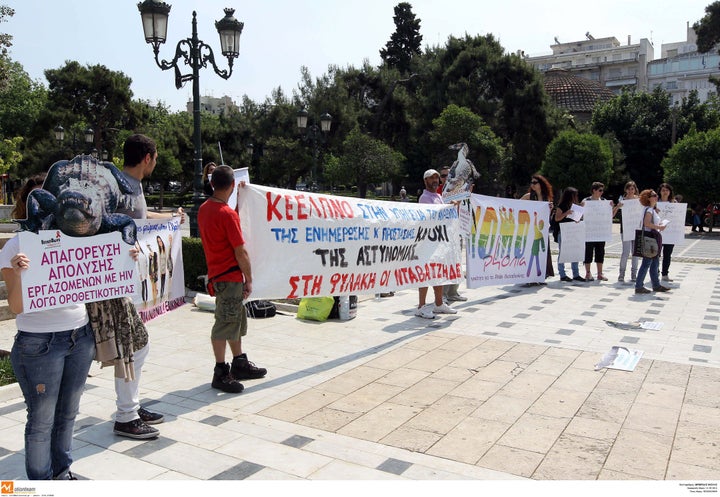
(444, 309)
(457, 298)
(666, 278)
(425, 312)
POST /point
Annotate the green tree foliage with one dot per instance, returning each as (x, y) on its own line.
(692, 166)
(21, 101)
(460, 125)
(5, 43)
(365, 160)
(92, 93)
(80, 97)
(642, 123)
(475, 72)
(708, 28)
(10, 156)
(405, 42)
(577, 159)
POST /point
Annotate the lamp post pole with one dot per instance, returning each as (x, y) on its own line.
(315, 134)
(197, 54)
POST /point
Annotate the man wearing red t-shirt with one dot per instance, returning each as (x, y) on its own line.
(230, 273)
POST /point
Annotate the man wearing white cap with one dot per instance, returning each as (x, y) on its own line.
(430, 196)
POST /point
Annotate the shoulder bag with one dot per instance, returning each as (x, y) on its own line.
(647, 243)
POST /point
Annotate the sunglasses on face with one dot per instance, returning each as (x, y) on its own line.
(443, 175)
(600, 190)
(534, 182)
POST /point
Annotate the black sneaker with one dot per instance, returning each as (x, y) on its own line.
(242, 369)
(579, 278)
(642, 290)
(223, 380)
(149, 417)
(661, 289)
(566, 278)
(137, 428)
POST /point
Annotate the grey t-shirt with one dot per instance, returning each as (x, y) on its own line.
(133, 204)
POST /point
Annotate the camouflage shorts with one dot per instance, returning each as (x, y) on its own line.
(230, 316)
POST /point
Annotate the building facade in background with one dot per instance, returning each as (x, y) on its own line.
(679, 70)
(218, 106)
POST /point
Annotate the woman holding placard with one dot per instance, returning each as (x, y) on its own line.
(666, 195)
(541, 190)
(650, 221)
(631, 192)
(563, 210)
(51, 356)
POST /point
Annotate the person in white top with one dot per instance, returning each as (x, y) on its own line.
(430, 196)
(51, 357)
(650, 221)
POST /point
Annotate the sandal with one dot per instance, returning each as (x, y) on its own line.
(601, 277)
(588, 277)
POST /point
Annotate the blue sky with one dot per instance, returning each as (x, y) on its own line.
(280, 36)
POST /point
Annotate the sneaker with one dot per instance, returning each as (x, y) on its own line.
(223, 380)
(242, 369)
(456, 298)
(565, 278)
(444, 309)
(661, 289)
(666, 278)
(579, 278)
(642, 289)
(137, 428)
(149, 417)
(621, 279)
(425, 312)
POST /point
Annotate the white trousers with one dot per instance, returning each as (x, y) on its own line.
(128, 392)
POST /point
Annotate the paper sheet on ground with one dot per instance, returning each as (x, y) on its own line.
(620, 358)
(635, 325)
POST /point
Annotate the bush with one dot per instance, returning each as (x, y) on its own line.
(7, 375)
(193, 262)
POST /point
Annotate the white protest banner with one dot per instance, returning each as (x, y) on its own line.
(576, 212)
(241, 174)
(632, 211)
(67, 270)
(572, 242)
(160, 279)
(674, 212)
(305, 244)
(598, 221)
(508, 242)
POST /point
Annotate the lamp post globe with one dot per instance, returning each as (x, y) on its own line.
(195, 54)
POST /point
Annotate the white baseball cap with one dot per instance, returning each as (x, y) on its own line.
(429, 173)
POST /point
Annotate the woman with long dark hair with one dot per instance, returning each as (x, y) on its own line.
(563, 210)
(541, 190)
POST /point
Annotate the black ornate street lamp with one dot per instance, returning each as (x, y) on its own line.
(89, 135)
(314, 134)
(196, 54)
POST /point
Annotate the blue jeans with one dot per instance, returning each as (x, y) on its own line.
(51, 369)
(561, 265)
(651, 265)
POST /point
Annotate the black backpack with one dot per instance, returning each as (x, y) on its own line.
(260, 309)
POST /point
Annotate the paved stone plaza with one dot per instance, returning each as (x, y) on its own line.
(505, 389)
